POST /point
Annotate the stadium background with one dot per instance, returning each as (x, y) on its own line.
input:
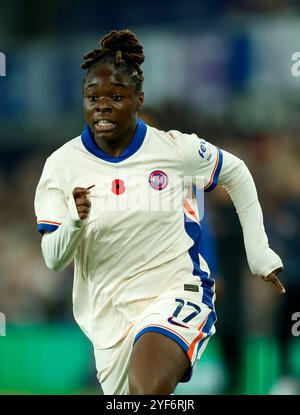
(219, 68)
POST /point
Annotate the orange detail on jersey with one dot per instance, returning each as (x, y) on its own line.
(213, 173)
(190, 210)
(48, 221)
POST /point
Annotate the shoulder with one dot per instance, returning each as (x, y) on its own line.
(186, 142)
(173, 138)
(66, 152)
(180, 139)
(59, 163)
(172, 135)
(189, 146)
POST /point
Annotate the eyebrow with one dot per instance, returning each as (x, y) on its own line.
(121, 84)
(92, 84)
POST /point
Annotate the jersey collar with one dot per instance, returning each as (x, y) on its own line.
(135, 144)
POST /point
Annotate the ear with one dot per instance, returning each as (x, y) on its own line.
(140, 101)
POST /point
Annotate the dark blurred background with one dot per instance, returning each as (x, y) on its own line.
(221, 69)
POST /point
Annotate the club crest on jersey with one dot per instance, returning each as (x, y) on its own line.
(158, 180)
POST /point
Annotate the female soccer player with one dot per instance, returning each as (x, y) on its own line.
(111, 199)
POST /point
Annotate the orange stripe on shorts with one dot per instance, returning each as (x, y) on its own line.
(195, 341)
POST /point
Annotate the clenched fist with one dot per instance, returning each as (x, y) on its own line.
(82, 201)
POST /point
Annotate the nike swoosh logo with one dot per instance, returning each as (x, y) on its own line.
(170, 320)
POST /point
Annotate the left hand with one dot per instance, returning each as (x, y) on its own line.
(275, 280)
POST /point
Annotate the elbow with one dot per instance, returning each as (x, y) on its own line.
(51, 257)
(241, 168)
(54, 264)
(56, 267)
(52, 261)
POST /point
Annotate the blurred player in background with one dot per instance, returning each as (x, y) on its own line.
(141, 292)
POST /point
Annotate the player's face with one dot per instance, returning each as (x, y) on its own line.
(111, 105)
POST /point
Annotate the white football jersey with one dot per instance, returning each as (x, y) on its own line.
(143, 230)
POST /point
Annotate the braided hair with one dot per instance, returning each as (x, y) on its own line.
(121, 48)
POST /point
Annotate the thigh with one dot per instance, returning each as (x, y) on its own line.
(156, 366)
(171, 334)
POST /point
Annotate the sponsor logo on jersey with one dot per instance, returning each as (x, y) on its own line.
(158, 180)
(204, 150)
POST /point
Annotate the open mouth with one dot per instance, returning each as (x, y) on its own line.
(104, 125)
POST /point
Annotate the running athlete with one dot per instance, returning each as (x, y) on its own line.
(111, 200)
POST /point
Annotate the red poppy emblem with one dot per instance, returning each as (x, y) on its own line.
(118, 187)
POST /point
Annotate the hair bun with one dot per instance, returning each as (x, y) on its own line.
(124, 41)
(123, 45)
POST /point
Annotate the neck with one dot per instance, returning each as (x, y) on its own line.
(116, 147)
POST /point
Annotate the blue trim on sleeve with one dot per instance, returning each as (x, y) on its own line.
(138, 139)
(43, 227)
(217, 172)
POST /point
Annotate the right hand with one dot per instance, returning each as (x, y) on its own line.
(82, 201)
(273, 278)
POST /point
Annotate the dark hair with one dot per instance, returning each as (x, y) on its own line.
(121, 48)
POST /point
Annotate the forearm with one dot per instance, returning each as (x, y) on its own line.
(238, 182)
(59, 247)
